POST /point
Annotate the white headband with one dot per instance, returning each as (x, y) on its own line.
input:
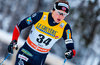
(63, 4)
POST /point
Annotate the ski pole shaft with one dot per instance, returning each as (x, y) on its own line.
(5, 58)
(65, 61)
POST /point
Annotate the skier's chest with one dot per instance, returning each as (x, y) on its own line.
(54, 32)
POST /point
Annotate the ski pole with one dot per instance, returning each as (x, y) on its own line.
(5, 59)
(15, 47)
(65, 61)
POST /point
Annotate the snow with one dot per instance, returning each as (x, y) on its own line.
(48, 1)
(56, 60)
(95, 8)
(89, 60)
(13, 8)
(6, 23)
(76, 15)
(5, 36)
(74, 3)
(86, 3)
(96, 44)
(96, 60)
(1, 16)
(99, 3)
(76, 38)
(92, 1)
(98, 18)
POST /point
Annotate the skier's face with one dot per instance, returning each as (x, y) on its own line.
(58, 15)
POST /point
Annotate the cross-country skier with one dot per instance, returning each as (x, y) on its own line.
(47, 28)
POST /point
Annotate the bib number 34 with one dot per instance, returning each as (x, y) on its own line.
(42, 39)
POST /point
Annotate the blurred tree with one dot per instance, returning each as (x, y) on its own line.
(85, 26)
(87, 23)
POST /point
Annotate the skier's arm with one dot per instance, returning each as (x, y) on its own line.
(34, 18)
(67, 36)
(25, 23)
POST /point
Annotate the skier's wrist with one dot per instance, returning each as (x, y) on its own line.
(13, 42)
(12, 45)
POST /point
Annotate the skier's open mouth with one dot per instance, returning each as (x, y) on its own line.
(58, 20)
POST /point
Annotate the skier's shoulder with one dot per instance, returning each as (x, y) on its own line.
(37, 14)
(67, 26)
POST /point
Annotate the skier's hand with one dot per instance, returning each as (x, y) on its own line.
(12, 45)
(69, 54)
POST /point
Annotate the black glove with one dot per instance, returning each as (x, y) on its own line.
(12, 45)
(69, 54)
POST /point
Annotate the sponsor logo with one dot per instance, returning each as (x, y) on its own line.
(56, 37)
(20, 62)
(29, 20)
(62, 25)
(68, 34)
(44, 18)
(23, 57)
(33, 15)
(46, 30)
(67, 41)
(64, 8)
(26, 52)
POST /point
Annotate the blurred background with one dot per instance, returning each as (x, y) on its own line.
(84, 19)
